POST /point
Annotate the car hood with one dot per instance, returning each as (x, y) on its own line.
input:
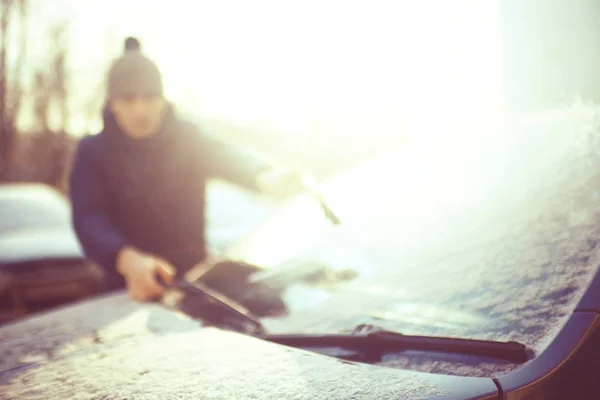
(112, 345)
(33, 245)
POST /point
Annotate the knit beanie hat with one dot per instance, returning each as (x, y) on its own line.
(134, 74)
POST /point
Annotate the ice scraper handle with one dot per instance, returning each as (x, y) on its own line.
(238, 311)
(313, 187)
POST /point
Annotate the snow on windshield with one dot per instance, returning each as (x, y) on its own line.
(492, 238)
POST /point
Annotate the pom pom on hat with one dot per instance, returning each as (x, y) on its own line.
(132, 44)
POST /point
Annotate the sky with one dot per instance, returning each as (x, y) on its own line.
(295, 65)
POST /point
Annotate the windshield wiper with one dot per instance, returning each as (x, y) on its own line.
(374, 344)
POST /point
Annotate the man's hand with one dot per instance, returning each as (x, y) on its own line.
(281, 182)
(141, 271)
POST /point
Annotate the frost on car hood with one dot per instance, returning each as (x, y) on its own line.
(113, 348)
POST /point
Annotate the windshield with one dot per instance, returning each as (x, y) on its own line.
(31, 207)
(488, 238)
(457, 141)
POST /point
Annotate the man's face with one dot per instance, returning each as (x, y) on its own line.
(138, 116)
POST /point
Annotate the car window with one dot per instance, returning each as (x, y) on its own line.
(24, 208)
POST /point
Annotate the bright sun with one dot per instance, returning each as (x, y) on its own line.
(313, 64)
(295, 64)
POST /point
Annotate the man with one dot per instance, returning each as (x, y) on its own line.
(138, 188)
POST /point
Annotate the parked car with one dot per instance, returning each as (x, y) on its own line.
(41, 263)
(476, 277)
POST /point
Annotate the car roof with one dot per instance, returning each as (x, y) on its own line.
(32, 205)
(31, 191)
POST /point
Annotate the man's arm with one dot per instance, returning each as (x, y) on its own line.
(221, 160)
(100, 240)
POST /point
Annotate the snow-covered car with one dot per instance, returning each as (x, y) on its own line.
(41, 262)
(475, 276)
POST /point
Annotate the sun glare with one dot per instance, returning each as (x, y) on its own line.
(293, 64)
(310, 67)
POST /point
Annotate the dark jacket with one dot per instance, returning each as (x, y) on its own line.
(150, 193)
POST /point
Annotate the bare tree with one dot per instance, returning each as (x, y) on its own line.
(45, 154)
(17, 87)
(51, 95)
(5, 132)
(59, 75)
(50, 91)
(92, 104)
(41, 102)
(10, 85)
